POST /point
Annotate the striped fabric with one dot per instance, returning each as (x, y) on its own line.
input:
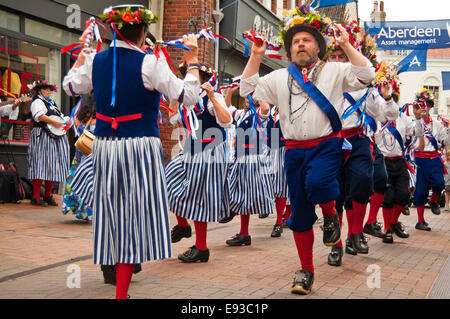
(251, 189)
(130, 209)
(82, 184)
(412, 176)
(197, 185)
(280, 188)
(48, 158)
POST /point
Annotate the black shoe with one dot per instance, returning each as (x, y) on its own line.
(435, 208)
(179, 232)
(227, 219)
(193, 254)
(51, 201)
(335, 257)
(373, 229)
(302, 282)
(399, 230)
(277, 230)
(137, 268)
(406, 211)
(388, 239)
(359, 243)
(263, 215)
(423, 226)
(239, 240)
(331, 230)
(349, 249)
(38, 202)
(109, 274)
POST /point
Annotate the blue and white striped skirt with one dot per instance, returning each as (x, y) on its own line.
(197, 185)
(82, 184)
(251, 185)
(280, 188)
(48, 158)
(130, 209)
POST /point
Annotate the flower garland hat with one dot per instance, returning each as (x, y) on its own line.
(425, 98)
(305, 19)
(128, 14)
(42, 84)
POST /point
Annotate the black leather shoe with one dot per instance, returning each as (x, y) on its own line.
(193, 254)
(349, 249)
(359, 243)
(38, 202)
(137, 268)
(109, 274)
(277, 230)
(406, 211)
(435, 208)
(239, 240)
(179, 232)
(302, 283)
(335, 257)
(399, 230)
(331, 230)
(263, 215)
(228, 218)
(373, 229)
(422, 226)
(51, 201)
(388, 239)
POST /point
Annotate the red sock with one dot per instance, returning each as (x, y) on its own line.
(396, 213)
(304, 242)
(388, 214)
(434, 197)
(245, 221)
(48, 188)
(359, 212)
(420, 213)
(37, 183)
(200, 234)
(123, 279)
(280, 204)
(375, 203)
(287, 213)
(349, 214)
(182, 222)
(328, 209)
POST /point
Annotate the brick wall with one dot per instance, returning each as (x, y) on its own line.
(439, 52)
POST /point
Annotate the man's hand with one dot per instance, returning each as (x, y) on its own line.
(191, 42)
(16, 103)
(342, 37)
(85, 34)
(209, 89)
(259, 48)
(80, 60)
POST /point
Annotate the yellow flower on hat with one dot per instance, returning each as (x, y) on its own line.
(327, 20)
(297, 20)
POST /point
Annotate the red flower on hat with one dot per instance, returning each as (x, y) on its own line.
(127, 17)
(137, 17)
(316, 24)
(111, 16)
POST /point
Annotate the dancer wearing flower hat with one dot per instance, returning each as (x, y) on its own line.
(131, 221)
(430, 169)
(48, 154)
(309, 94)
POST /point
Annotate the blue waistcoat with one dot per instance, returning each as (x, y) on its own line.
(131, 95)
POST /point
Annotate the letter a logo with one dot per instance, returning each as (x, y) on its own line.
(414, 61)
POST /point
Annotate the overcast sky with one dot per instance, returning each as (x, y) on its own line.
(407, 10)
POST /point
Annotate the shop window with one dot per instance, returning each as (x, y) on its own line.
(21, 63)
(45, 32)
(9, 21)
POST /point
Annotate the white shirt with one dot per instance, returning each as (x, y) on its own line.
(176, 119)
(38, 108)
(6, 109)
(440, 133)
(304, 120)
(376, 106)
(156, 75)
(387, 143)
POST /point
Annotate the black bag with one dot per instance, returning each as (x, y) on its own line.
(11, 189)
(28, 187)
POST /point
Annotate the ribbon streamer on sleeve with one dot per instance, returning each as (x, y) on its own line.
(74, 114)
(76, 48)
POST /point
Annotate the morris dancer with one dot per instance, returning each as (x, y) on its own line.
(197, 177)
(48, 155)
(131, 222)
(430, 169)
(310, 98)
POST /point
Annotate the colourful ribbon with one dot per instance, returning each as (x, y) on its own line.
(272, 50)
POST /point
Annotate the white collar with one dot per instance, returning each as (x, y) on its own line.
(123, 44)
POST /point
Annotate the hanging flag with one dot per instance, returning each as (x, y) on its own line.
(445, 80)
(329, 3)
(415, 61)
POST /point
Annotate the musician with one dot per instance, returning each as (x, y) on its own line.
(48, 155)
(131, 211)
(310, 121)
(7, 109)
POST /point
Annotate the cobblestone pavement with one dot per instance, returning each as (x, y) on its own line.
(41, 248)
